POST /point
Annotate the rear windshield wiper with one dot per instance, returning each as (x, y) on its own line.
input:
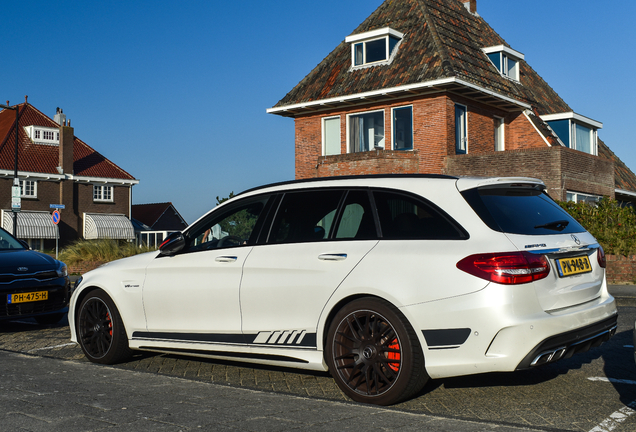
(556, 225)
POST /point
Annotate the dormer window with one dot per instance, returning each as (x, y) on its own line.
(374, 47)
(506, 60)
(43, 135)
(575, 131)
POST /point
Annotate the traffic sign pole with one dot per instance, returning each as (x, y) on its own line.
(55, 217)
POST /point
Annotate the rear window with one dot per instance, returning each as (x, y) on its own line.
(523, 209)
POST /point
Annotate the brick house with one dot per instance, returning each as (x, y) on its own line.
(427, 86)
(56, 167)
(154, 222)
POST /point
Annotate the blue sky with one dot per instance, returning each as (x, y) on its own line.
(175, 92)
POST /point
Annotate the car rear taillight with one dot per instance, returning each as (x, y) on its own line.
(508, 268)
(600, 256)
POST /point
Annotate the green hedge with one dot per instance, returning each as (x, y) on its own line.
(612, 225)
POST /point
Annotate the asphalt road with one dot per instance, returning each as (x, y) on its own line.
(43, 372)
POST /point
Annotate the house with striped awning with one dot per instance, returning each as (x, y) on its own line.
(57, 169)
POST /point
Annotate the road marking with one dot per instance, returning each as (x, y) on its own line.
(617, 417)
(51, 347)
(612, 380)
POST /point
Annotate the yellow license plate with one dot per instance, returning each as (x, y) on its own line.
(27, 297)
(573, 266)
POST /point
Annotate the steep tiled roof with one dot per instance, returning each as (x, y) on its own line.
(624, 178)
(41, 158)
(149, 214)
(441, 40)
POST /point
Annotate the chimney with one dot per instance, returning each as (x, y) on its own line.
(470, 5)
(67, 139)
(59, 117)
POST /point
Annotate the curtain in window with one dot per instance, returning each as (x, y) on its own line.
(583, 139)
(460, 129)
(332, 136)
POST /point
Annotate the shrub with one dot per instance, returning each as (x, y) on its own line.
(613, 225)
(99, 250)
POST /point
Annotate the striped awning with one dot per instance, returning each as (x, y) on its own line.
(31, 224)
(103, 225)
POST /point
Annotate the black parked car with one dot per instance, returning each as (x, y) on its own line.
(32, 284)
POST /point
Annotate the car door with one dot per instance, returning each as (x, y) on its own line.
(314, 243)
(194, 295)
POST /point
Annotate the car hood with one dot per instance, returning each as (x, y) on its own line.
(11, 260)
(133, 263)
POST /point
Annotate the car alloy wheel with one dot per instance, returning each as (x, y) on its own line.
(100, 330)
(373, 354)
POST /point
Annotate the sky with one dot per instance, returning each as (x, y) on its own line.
(176, 92)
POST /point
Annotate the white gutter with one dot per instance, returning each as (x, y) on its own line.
(400, 89)
(625, 192)
(572, 115)
(104, 180)
(32, 175)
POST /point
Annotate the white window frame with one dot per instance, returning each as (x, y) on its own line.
(383, 142)
(580, 196)
(100, 193)
(500, 133)
(363, 38)
(324, 135)
(43, 135)
(575, 119)
(505, 53)
(393, 129)
(458, 149)
(23, 190)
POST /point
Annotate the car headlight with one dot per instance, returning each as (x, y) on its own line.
(62, 270)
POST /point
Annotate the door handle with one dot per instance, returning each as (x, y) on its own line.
(225, 258)
(333, 257)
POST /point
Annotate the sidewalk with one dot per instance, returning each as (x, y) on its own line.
(51, 395)
(625, 295)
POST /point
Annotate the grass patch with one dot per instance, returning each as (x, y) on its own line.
(104, 250)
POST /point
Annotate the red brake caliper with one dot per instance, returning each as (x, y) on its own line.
(394, 345)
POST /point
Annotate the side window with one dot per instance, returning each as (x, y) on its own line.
(356, 220)
(229, 227)
(305, 216)
(406, 217)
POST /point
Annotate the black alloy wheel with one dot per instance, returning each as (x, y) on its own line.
(373, 354)
(100, 330)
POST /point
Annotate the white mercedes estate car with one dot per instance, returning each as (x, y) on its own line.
(384, 281)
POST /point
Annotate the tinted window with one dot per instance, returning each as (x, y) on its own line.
(232, 226)
(7, 241)
(521, 210)
(356, 220)
(406, 217)
(305, 216)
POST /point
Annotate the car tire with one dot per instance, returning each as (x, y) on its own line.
(100, 330)
(49, 319)
(373, 353)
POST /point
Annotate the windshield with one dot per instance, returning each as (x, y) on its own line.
(7, 241)
(520, 210)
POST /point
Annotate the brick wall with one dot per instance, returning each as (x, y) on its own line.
(77, 198)
(560, 168)
(373, 162)
(621, 269)
(433, 135)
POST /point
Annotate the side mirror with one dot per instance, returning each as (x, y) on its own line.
(173, 244)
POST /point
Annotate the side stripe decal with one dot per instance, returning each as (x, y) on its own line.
(282, 338)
